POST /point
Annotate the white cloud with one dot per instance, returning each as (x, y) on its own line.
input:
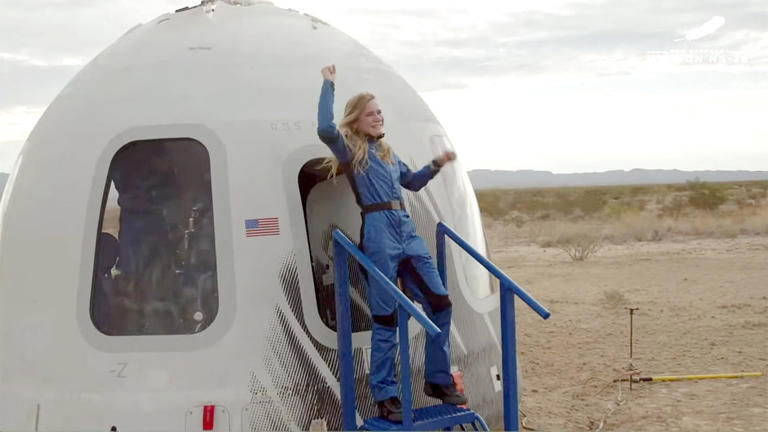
(705, 29)
(554, 84)
(9, 151)
(577, 125)
(17, 122)
(27, 60)
(50, 31)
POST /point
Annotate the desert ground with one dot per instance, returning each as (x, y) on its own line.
(700, 281)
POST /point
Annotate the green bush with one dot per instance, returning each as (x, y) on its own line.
(763, 186)
(591, 201)
(491, 203)
(616, 209)
(580, 247)
(705, 196)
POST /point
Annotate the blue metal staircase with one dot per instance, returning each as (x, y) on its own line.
(436, 417)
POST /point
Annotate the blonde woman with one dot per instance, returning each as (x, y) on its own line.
(389, 238)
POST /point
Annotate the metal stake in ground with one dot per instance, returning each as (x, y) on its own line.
(631, 367)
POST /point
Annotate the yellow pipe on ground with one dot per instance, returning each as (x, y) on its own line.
(701, 377)
(668, 378)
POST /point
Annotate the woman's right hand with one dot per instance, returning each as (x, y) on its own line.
(329, 72)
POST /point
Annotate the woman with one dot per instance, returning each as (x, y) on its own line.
(389, 238)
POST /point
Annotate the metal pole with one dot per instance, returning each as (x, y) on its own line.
(508, 358)
(440, 252)
(344, 338)
(631, 331)
(375, 273)
(405, 367)
(631, 366)
(443, 230)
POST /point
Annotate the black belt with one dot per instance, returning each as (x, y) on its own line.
(389, 205)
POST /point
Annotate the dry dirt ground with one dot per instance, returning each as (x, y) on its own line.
(703, 309)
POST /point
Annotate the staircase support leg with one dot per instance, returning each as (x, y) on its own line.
(344, 338)
(405, 367)
(440, 254)
(508, 358)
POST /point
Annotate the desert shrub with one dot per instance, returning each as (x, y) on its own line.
(491, 203)
(516, 218)
(638, 191)
(616, 209)
(619, 209)
(756, 195)
(580, 247)
(674, 208)
(111, 223)
(676, 187)
(763, 186)
(563, 203)
(614, 298)
(543, 204)
(546, 242)
(705, 196)
(623, 214)
(562, 195)
(758, 191)
(591, 201)
(656, 235)
(530, 203)
(745, 202)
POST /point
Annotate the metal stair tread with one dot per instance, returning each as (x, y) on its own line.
(427, 418)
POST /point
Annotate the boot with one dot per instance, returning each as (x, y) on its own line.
(446, 393)
(391, 409)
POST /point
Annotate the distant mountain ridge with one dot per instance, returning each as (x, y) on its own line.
(489, 179)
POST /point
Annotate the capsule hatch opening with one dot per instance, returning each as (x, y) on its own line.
(329, 204)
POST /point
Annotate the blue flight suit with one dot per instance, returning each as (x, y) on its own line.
(389, 238)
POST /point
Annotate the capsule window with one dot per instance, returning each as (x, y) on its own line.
(155, 264)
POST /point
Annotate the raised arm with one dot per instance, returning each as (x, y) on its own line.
(416, 180)
(326, 128)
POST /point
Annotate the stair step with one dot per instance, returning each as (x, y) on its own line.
(435, 417)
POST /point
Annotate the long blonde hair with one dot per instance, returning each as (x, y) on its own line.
(357, 144)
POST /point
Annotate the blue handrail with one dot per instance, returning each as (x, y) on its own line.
(342, 248)
(508, 290)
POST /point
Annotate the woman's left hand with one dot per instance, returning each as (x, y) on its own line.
(445, 158)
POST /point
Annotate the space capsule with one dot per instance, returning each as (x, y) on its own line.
(164, 235)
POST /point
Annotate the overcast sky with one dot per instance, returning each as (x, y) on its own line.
(563, 86)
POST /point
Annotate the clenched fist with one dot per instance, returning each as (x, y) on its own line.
(329, 72)
(445, 158)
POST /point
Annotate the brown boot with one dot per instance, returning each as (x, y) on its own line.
(391, 409)
(446, 393)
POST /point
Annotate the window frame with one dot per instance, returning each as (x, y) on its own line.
(142, 149)
(222, 236)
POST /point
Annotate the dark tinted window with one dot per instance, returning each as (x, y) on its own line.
(155, 263)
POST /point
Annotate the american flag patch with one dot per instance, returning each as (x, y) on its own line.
(262, 227)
